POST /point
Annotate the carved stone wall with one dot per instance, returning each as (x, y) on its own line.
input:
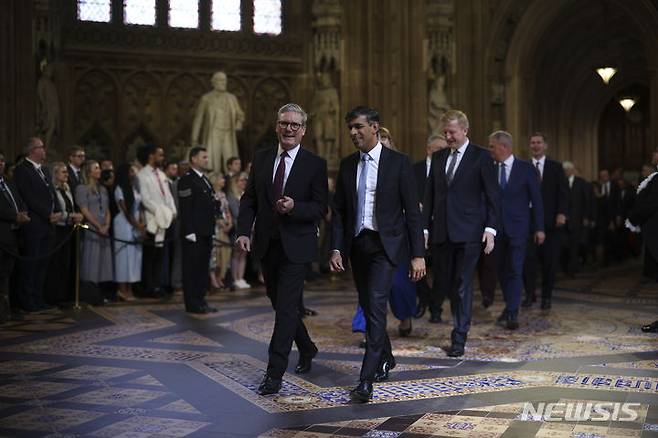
(123, 86)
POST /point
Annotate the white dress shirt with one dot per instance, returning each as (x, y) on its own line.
(541, 162)
(571, 178)
(290, 159)
(428, 166)
(369, 219)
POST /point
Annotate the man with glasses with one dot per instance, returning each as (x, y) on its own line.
(34, 185)
(74, 166)
(286, 196)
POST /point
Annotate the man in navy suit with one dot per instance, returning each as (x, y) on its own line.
(520, 186)
(76, 160)
(462, 208)
(555, 197)
(34, 185)
(376, 223)
(286, 196)
(426, 298)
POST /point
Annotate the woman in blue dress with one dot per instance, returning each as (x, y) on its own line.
(128, 226)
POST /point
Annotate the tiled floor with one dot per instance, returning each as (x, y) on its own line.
(150, 370)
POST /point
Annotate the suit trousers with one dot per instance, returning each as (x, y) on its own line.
(510, 253)
(488, 274)
(453, 267)
(548, 255)
(33, 272)
(196, 279)
(373, 275)
(284, 282)
(7, 262)
(569, 252)
(152, 262)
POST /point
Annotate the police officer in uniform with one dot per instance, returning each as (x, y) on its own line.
(198, 210)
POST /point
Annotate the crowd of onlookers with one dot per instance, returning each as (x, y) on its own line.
(130, 245)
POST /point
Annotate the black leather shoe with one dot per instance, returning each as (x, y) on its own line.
(435, 318)
(210, 309)
(308, 312)
(422, 308)
(502, 318)
(363, 343)
(512, 322)
(198, 311)
(545, 303)
(455, 350)
(529, 301)
(650, 328)
(269, 385)
(486, 303)
(382, 373)
(362, 393)
(305, 363)
(404, 332)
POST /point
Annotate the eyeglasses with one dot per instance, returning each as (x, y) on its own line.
(292, 125)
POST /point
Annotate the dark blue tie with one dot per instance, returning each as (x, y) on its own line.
(503, 176)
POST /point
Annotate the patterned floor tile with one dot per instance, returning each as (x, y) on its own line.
(13, 367)
(142, 427)
(33, 389)
(180, 406)
(48, 419)
(639, 365)
(187, 337)
(116, 397)
(90, 372)
(147, 380)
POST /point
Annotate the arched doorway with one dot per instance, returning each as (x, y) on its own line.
(550, 83)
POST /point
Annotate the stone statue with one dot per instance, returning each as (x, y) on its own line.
(47, 106)
(437, 104)
(325, 109)
(218, 117)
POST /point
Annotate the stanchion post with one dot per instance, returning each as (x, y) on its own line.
(76, 306)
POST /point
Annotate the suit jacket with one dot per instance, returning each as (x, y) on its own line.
(580, 197)
(396, 207)
(420, 173)
(198, 207)
(306, 185)
(73, 181)
(522, 188)
(38, 196)
(645, 214)
(8, 216)
(554, 192)
(460, 212)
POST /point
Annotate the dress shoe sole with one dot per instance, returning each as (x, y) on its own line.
(360, 398)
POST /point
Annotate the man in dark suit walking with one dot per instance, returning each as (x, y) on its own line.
(12, 216)
(286, 195)
(197, 213)
(376, 223)
(578, 219)
(35, 188)
(462, 209)
(520, 186)
(426, 298)
(555, 197)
